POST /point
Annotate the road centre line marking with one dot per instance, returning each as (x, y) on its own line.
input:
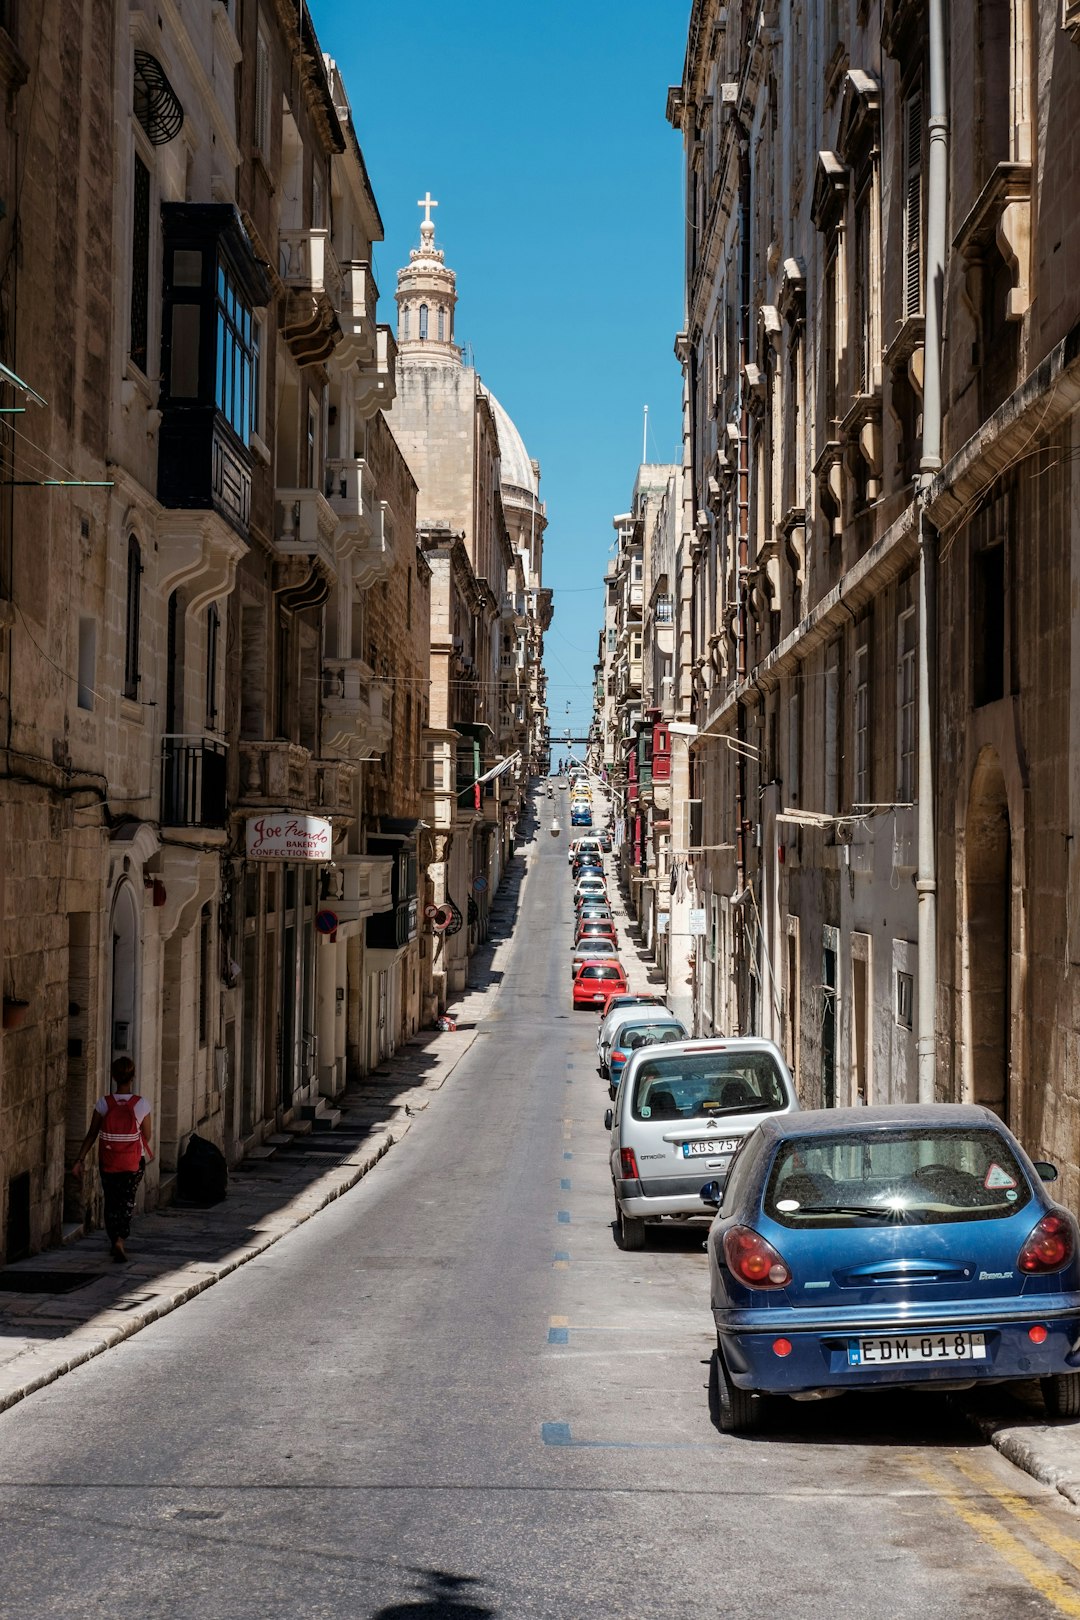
(562, 1254)
(559, 1335)
(1067, 1547)
(559, 1321)
(1005, 1544)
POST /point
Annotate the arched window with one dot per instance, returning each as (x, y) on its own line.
(406, 323)
(442, 325)
(423, 320)
(131, 623)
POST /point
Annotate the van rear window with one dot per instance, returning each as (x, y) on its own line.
(707, 1085)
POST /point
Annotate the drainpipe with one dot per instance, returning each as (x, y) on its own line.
(936, 218)
(743, 556)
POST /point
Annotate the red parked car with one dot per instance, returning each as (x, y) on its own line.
(595, 981)
(596, 928)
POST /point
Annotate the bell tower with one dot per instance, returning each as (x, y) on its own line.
(426, 298)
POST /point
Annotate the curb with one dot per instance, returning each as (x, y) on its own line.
(1032, 1449)
(321, 1193)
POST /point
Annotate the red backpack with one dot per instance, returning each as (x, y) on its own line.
(121, 1137)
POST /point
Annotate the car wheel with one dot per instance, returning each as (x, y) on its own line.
(1061, 1395)
(631, 1230)
(737, 1411)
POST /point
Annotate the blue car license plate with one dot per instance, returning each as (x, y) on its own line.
(916, 1348)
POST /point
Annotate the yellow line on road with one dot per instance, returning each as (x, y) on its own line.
(558, 1321)
(1026, 1563)
(1067, 1547)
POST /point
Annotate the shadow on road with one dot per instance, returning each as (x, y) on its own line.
(908, 1418)
(443, 1597)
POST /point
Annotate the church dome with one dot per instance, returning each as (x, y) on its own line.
(518, 472)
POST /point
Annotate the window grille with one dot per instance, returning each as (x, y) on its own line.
(131, 630)
(140, 263)
(262, 95)
(862, 726)
(913, 204)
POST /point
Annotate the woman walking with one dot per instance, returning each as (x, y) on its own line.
(122, 1122)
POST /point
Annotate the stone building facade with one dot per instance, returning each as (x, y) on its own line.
(211, 775)
(482, 524)
(870, 659)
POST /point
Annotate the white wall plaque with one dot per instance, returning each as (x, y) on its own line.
(287, 837)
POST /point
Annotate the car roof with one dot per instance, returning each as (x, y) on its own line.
(719, 1043)
(944, 1116)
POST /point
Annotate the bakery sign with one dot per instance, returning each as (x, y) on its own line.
(285, 837)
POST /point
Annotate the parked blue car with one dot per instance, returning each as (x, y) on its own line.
(648, 1032)
(581, 818)
(862, 1248)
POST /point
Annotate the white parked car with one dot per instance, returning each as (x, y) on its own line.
(590, 888)
(680, 1116)
(592, 950)
(616, 1021)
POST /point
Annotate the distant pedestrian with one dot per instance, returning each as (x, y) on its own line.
(122, 1122)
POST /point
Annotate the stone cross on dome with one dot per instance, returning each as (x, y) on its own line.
(427, 224)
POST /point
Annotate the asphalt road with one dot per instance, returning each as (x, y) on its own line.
(451, 1395)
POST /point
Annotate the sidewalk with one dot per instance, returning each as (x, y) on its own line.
(65, 1306)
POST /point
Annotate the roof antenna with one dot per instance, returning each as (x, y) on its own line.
(645, 437)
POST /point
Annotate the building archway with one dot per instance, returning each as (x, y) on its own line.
(988, 895)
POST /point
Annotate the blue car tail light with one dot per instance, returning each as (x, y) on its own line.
(753, 1261)
(1050, 1246)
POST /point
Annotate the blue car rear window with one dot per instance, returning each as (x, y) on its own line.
(895, 1177)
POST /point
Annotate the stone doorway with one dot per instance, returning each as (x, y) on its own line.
(988, 885)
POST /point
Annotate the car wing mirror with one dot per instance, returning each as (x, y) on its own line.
(1046, 1171)
(712, 1193)
(608, 1117)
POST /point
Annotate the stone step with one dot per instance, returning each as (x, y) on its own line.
(263, 1151)
(279, 1139)
(320, 1116)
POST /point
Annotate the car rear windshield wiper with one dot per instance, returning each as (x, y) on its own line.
(878, 1210)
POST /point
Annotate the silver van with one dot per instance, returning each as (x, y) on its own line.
(680, 1116)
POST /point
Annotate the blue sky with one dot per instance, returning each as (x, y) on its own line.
(541, 132)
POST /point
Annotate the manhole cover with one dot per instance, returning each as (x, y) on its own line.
(46, 1282)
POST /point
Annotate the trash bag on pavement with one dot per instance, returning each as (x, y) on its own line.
(202, 1175)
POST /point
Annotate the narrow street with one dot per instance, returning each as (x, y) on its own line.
(450, 1394)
